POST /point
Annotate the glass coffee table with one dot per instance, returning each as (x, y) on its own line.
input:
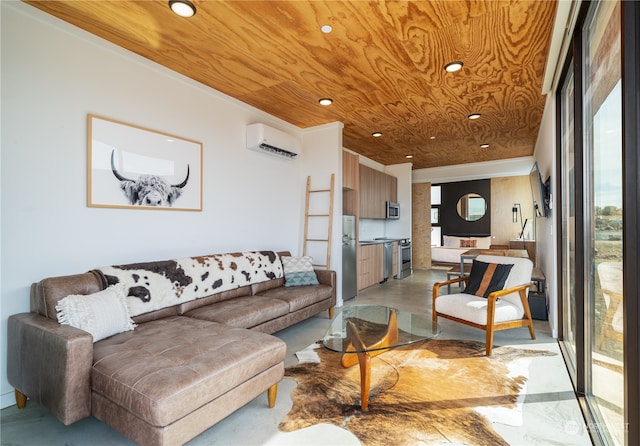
(361, 332)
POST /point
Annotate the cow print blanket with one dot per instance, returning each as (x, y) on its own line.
(155, 285)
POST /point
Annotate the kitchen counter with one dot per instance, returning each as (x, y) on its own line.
(378, 241)
(370, 242)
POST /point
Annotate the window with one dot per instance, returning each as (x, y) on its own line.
(436, 229)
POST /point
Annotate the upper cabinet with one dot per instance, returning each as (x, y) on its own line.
(376, 188)
(350, 183)
(391, 188)
(350, 172)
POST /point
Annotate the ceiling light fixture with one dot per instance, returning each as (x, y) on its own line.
(474, 116)
(184, 8)
(326, 101)
(408, 156)
(376, 134)
(452, 67)
(432, 137)
(484, 146)
(326, 29)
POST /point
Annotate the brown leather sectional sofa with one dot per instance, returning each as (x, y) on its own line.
(181, 370)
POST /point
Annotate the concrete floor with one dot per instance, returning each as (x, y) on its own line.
(551, 415)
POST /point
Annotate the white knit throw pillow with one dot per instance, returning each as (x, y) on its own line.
(102, 314)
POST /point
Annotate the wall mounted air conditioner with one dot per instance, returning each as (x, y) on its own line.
(263, 138)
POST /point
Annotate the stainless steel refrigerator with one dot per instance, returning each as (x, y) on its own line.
(349, 283)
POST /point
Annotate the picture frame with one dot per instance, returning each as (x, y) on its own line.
(138, 168)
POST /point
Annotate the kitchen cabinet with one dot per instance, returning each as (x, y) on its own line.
(376, 188)
(370, 258)
(350, 170)
(350, 183)
(396, 252)
(391, 188)
(367, 209)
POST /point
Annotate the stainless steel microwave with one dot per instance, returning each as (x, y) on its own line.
(393, 210)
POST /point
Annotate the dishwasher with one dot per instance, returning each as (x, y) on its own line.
(387, 264)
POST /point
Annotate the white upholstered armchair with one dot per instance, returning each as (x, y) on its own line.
(495, 296)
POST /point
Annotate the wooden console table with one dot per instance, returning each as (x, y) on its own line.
(529, 245)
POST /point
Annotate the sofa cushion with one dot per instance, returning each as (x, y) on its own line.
(170, 367)
(218, 297)
(102, 314)
(300, 297)
(46, 293)
(259, 288)
(243, 312)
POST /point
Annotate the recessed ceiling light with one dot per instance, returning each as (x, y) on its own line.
(376, 134)
(484, 146)
(184, 8)
(326, 29)
(432, 137)
(326, 101)
(474, 116)
(408, 156)
(453, 66)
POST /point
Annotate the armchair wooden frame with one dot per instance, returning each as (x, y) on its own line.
(490, 326)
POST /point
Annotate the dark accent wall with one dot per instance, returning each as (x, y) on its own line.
(452, 223)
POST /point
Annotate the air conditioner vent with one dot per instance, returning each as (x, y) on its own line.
(278, 151)
(263, 138)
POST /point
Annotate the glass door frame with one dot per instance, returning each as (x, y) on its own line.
(630, 35)
(631, 215)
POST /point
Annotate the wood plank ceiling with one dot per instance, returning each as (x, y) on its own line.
(382, 65)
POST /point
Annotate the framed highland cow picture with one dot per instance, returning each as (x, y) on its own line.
(139, 168)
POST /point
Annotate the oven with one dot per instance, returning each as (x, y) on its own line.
(404, 258)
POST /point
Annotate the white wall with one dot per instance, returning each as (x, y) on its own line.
(321, 160)
(546, 236)
(53, 75)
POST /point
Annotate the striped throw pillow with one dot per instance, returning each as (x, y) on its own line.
(485, 278)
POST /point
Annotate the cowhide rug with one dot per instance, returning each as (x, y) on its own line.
(435, 392)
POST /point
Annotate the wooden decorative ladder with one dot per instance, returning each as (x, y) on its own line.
(328, 216)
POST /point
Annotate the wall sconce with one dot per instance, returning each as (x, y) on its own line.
(515, 210)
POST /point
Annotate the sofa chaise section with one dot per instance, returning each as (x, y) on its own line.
(166, 383)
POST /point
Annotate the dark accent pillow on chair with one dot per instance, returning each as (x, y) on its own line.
(485, 278)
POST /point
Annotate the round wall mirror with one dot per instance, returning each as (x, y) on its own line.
(471, 207)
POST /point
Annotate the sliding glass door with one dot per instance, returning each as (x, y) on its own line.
(603, 262)
(591, 260)
(568, 232)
